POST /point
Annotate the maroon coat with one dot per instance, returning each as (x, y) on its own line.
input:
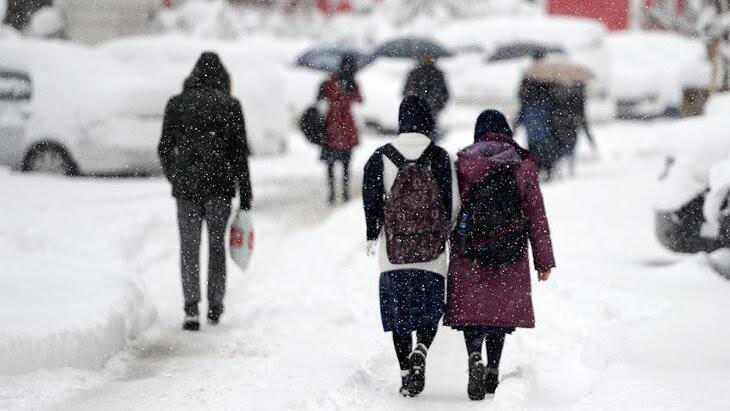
(499, 296)
(339, 122)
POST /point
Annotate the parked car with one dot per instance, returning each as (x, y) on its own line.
(637, 57)
(691, 206)
(67, 110)
(478, 78)
(257, 70)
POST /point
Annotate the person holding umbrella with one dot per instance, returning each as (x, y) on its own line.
(340, 91)
(428, 82)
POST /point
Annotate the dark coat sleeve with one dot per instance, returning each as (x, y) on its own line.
(533, 207)
(169, 140)
(373, 195)
(239, 155)
(442, 91)
(441, 168)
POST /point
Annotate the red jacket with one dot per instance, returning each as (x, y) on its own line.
(342, 133)
(499, 296)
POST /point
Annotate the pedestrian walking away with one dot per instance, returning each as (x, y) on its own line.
(489, 290)
(536, 115)
(410, 197)
(340, 91)
(428, 82)
(569, 119)
(204, 155)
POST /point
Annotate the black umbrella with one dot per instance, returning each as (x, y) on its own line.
(521, 50)
(411, 47)
(327, 58)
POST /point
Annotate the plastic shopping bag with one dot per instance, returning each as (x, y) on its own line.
(241, 240)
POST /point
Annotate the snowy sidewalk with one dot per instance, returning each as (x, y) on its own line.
(302, 327)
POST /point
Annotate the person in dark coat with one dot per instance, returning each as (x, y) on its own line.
(428, 82)
(340, 91)
(204, 155)
(569, 119)
(487, 302)
(411, 295)
(536, 115)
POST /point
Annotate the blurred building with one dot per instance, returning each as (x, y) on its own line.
(615, 14)
(95, 21)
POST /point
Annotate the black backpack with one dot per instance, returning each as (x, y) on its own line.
(492, 229)
(312, 126)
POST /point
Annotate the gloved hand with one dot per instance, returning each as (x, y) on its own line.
(371, 248)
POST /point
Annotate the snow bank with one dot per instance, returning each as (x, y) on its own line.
(59, 313)
(68, 290)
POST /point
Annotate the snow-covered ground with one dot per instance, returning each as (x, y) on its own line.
(623, 324)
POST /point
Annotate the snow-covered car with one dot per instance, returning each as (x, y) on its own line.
(636, 60)
(475, 80)
(691, 205)
(76, 112)
(256, 66)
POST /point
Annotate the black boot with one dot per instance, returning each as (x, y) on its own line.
(491, 381)
(418, 370)
(191, 323)
(404, 381)
(214, 314)
(476, 389)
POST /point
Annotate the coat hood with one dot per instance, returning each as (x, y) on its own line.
(415, 116)
(481, 158)
(209, 72)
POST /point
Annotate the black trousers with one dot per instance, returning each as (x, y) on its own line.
(404, 344)
(190, 216)
(345, 179)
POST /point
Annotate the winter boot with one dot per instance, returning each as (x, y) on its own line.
(418, 370)
(491, 381)
(214, 314)
(477, 388)
(191, 323)
(404, 381)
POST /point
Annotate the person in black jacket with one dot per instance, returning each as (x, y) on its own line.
(428, 82)
(204, 155)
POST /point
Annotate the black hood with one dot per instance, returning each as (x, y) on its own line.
(209, 72)
(415, 116)
(491, 122)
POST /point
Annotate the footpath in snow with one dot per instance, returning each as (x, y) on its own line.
(302, 327)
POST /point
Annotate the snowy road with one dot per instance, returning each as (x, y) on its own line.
(623, 323)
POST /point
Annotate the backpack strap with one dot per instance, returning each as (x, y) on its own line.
(395, 156)
(400, 161)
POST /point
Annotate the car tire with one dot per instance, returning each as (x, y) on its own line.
(49, 158)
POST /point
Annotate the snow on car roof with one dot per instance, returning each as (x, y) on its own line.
(74, 82)
(489, 33)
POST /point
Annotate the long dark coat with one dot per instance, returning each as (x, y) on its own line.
(498, 296)
(429, 83)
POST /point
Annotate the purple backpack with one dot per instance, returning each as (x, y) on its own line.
(416, 222)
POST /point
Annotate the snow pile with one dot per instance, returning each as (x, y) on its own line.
(70, 297)
(46, 22)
